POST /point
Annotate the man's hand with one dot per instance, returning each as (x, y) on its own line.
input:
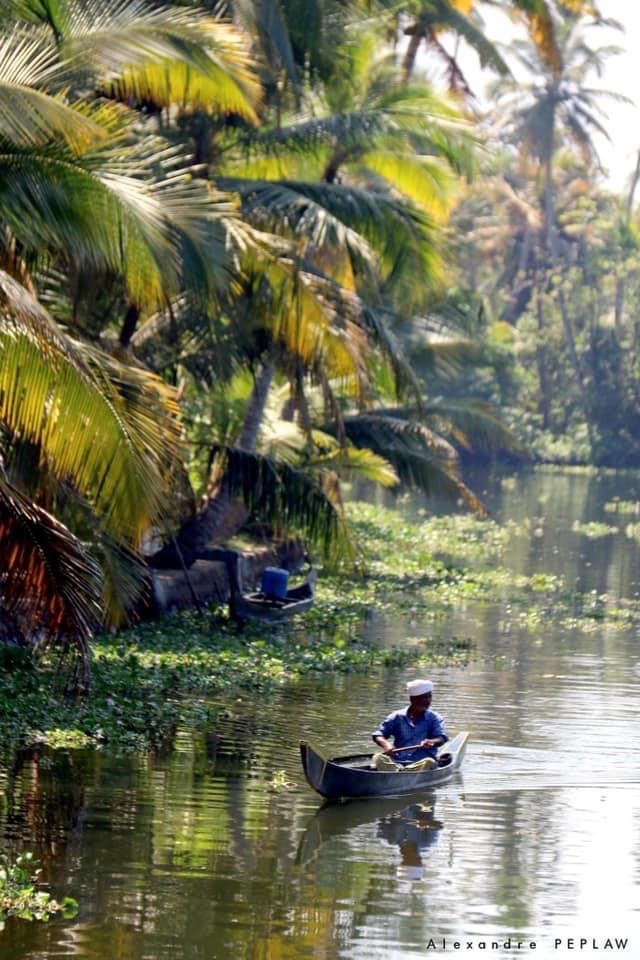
(426, 743)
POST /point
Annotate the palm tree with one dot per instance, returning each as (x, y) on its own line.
(87, 193)
(358, 223)
(539, 15)
(563, 109)
(79, 429)
(374, 173)
(107, 162)
(159, 54)
(431, 18)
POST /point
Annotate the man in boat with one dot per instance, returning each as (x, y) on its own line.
(416, 725)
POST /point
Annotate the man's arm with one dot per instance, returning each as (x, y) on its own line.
(438, 734)
(384, 744)
(382, 734)
(433, 742)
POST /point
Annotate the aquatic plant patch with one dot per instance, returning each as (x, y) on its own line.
(183, 669)
(22, 896)
(150, 679)
(594, 530)
(622, 506)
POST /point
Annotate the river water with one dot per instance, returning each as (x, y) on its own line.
(219, 849)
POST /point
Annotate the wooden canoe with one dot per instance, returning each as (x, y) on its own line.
(257, 606)
(353, 777)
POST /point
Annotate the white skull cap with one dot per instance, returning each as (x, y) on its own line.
(415, 688)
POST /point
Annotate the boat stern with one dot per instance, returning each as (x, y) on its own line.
(314, 766)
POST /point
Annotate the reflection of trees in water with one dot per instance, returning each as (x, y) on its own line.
(44, 805)
(165, 851)
(553, 502)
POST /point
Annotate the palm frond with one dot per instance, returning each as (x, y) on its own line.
(588, 8)
(111, 430)
(168, 55)
(29, 114)
(125, 581)
(542, 28)
(109, 209)
(145, 411)
(417, 113)
(422, 459)
(425, 180)
(47, 580)
(403, 234)
(447, 16)
(445, 357)
(462, 310)
(267, 21)
(473, 424)
(281, 440)
(314, 318)
(167, 84)
(285, 442)
(379, 325)
(297, 209)
(315, 29)
(350, 462)
(51, 14)
(448, 339)
(287, 498)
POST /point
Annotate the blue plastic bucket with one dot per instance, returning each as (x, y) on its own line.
(275, 582)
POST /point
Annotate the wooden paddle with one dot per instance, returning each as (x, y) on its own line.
(368, 756)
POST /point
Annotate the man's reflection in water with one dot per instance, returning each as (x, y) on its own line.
(413, 829)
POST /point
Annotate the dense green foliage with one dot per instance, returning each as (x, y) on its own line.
(249, 251)
(185, 669)
(555, 254)
(228, 272)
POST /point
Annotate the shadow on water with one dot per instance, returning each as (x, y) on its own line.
(408, 823)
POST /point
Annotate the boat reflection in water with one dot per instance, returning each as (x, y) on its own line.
(413, 829)
(411, 826)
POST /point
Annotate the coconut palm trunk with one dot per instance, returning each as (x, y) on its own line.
(552, 253)
(544, 403)
(620, 283)
(416, 36)
(220, 515)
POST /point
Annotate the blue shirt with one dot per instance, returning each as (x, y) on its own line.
(405, 732)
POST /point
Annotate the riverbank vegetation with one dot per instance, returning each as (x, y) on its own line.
(185, 669)
(249, 255)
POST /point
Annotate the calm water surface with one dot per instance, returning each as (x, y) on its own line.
(198, 854)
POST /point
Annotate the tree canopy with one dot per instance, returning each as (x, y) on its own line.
(250, 254)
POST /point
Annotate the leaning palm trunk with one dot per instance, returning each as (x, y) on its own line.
(220, 515)
(255, 410)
